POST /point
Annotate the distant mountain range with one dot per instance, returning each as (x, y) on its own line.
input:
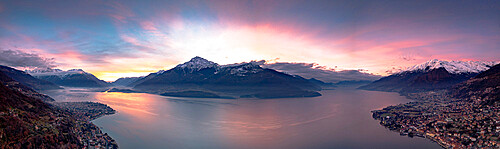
(431, 75)
(125, 81)
(132, 81)
(70, 78)
(204, 78)
(27, 80)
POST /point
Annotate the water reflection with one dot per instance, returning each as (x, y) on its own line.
(135, 104)
(338, 119)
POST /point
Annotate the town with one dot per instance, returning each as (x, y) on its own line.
(452, 123)
(87, 133)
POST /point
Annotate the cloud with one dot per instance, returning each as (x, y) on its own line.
(21, 59)
(313, 70)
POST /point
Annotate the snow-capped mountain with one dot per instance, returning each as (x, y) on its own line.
(197, 63)
(240, 69)
(235, 80)
(71, 78)
(431, 75)
(41, 70)
(27, 80)
(55, 72)
(454, 67)
(483, 88)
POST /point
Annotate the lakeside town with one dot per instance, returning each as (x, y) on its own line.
(89, 135)
(452, 123)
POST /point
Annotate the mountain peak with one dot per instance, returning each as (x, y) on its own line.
(241, 68)
(76, 70)
(197, 58)
(55, 72)
(454, 67)
(43, 70)
(198, 63)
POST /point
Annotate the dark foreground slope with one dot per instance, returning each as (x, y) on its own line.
(21, 88)
(30, 123)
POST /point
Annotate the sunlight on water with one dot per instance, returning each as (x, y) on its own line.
(136, 104)
(338, 119)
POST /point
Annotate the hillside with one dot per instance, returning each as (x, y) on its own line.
(28, 80)
(30, 123)
(429, 76)
(485, 87)
(236, 80)
(69, 78)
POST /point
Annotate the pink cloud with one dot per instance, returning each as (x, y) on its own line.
(148, 25)
(131, 40)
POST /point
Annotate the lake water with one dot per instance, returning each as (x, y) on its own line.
(339, 119)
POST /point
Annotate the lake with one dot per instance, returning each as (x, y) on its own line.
(339, 119)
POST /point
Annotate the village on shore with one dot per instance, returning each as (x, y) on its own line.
(452, 123)
(89, 135)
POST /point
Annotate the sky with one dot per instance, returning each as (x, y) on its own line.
(113, 39)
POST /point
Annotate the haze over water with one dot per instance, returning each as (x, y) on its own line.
(338, 119)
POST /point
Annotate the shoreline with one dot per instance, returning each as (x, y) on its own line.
(442, 145)
(88, 133)
(451, 123)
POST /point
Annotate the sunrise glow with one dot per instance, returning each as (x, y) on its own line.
(116, 40)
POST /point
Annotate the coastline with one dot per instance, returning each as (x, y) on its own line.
(440, 143)
(451, 123)
(89, 134)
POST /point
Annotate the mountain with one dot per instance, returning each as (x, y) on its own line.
(323, 85)
(428, 76)
(132, 81)
(125, 81)
(484, 87)
(454, 67)
(234, 80)
(27, 122)
(12, 84)
(354, 83)
(70, 78)
(27, 80)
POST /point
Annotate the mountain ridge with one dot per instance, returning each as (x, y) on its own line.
(240, 80)
(28, 80)
(69, 78)
(454, 67)
(428, 76)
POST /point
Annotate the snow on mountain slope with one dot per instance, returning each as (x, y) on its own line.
(240, 69)
(454, 67)
(54, 72)
(40, 70)
(197, 63)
